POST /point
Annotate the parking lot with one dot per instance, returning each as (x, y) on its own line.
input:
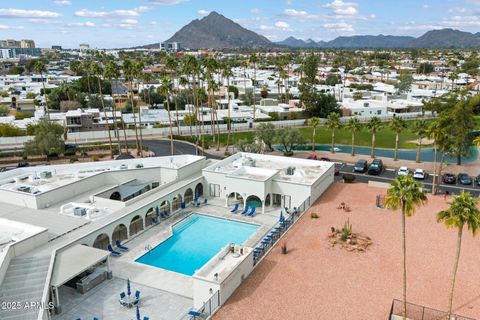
(389, 174)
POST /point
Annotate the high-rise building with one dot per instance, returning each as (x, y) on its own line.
(9, 43)
(27, 44)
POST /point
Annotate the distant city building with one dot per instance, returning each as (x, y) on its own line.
(9, 43)
(170, 46)
(15, 53)
(84, 121)
(59, 48)
(27, 44)
(84, 47)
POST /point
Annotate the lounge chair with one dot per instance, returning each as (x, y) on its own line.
(195, 313)
(183, 205)
(245, 210)
(235, 208)
(252, 212)
(119, 246)
(146, 318)
(205, 201)
(123, 299)
(113, 252)
(137, 297)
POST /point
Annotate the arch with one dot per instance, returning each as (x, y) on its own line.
(102, 241)
(188, 196)
(234, 197)
(199, 190)
(268, 200)
(136, 225)
(165, 207)
(116, 196)
(253, 201)
(120, 233)
(150, 217)
(176, 201)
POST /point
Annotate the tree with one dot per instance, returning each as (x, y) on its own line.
(254, 61)
(310, 69)
(354, 125)
(425, 68)
(405, 193)
(314, 123)
(112, 72)
(462, 211)
(333, 123)
(397, 125)
(40, 68)
(227, 73)
(265, 132)
(289, 138)
(189, 120)
(420, 129)
(404, 83)
(8, 130)
(166, 88)
(435, 132)
(129, 74)
(48, 139)
(332, 79)
(357, 95)
(317, 104)
(373, 125)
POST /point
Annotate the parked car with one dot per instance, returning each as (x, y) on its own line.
(464, 179)
(403, 171)
(361, 166)
(477, 180)
(449, 178)
(325, 159)
(419, 174)
(312, 157)
(376, 167)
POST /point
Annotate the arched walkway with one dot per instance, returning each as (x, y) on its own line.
(149, 217)
(102, 241)
(136, 225)
(165, 207)
(199, 190)
(188, 196)
(253, 201)
(177, 200)
(233, 198)
(120, 233)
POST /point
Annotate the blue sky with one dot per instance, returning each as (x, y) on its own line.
(109, 24)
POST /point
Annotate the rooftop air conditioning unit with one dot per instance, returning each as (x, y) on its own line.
(290, 171)
(79, 212)
(46, 174)
(366, 104)
(139, 165)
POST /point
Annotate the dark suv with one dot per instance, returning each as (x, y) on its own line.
(464, 179)
(361, 166)
(449, 178)
(376, 167)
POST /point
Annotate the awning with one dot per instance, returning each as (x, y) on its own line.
(75, 260)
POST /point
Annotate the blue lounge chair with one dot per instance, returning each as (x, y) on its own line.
(183, 205)
(235, 208)
(146, 318)
(137, 297)
(113, 252)
(252, 212)
(119, 246)
(205, 201)
(245, 210)
(123, 299)
(195, 313)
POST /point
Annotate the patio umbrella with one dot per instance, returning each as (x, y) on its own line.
(282, 218)
(157, 211)
(138, 313)
(129, 290)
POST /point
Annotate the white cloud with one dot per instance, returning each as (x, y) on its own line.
(255, 11)
(203, 12)
(20, 13)
(63, 2)
(282, 25)
(111, 14)
(166, 2)
(340, 26)
(87, 24)
(426, 6)
(295, 13)
(343, 8)
(129, 21)
(5, 27)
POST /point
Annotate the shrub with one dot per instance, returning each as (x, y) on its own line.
(73, 159)
(95, 158)
(314, 215)
(348, 178)
(346, 230)
(227, 153)
(70, 152)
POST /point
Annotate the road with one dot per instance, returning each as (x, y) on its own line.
(162, 148)
(389, 174)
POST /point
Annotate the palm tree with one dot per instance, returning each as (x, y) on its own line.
(397, 125)
(96, 70)
(405, 193)
(354, 125)
(373, 125)
(434, 132)
(333, 123)
(453, 77)
(128, 73)
(254, 61)
(166, 88)
(227, 73)
(462, 211)
(138, 72)
(476, 142)
(40, 68)
(420, 129)
(172, 65)
(314, 123)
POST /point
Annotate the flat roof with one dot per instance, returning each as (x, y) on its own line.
(71, 262)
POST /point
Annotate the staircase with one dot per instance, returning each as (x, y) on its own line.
(23, 283)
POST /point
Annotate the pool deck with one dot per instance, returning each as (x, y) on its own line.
(315, 281)
(125, 266)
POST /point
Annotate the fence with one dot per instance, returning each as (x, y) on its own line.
(206, 310)
(417, 312)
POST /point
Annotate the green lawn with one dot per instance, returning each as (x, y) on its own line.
(385, 137)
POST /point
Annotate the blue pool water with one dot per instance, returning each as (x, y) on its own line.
(196, 240)
(426, 154)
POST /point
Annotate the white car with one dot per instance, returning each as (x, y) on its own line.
(403, 171)
(419, 174)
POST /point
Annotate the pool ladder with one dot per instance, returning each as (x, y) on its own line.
(148, 248)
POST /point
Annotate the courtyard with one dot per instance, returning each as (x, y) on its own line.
(317, 281)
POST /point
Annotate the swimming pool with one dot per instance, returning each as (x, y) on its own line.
(196, 240)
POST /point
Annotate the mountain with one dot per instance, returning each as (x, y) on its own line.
(217, 32)
(447, 38)
(444, 38)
